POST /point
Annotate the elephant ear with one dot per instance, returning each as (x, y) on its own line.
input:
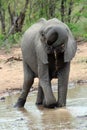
(70, 47)
(41, 53)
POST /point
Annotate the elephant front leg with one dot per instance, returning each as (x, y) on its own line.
(63, 76)
(49, 99)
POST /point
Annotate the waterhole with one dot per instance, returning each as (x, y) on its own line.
(72, 117)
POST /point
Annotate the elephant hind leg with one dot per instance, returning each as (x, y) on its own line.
(28, 81)
(40, 96)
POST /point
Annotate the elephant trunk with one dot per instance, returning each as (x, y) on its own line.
(56, 36)
(51, 36)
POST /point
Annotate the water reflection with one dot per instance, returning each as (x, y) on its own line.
(48, 119)
(73, 117)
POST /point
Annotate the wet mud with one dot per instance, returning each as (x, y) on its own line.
(72, 117)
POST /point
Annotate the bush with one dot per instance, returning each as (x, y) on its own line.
(74, 28)
(13, 39)
(1, 39)
(79, 29)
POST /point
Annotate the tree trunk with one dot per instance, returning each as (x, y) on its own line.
(30, 10)
(2, 19)
(78, 17)
(17, 21)
(52, 6)
(62, 10)
(70, 10)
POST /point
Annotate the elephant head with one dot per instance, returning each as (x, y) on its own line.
(54, 35)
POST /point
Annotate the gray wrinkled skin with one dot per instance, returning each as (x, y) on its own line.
(48, 48)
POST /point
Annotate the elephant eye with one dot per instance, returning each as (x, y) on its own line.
(42, 33)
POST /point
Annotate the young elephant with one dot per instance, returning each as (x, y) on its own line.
(48, 48)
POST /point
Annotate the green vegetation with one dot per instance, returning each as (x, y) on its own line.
(17, 15)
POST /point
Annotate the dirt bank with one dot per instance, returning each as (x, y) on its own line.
(11, 71)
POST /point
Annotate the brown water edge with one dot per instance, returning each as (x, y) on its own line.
(73, 117)
(15, 90)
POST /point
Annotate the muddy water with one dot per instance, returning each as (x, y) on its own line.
(73, 117)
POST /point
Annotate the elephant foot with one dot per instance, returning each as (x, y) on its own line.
(38, 103)
(20, 103)
(50, 106)
(45, 105)
(61, 104)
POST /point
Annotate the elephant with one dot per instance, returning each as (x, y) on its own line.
(47, 47)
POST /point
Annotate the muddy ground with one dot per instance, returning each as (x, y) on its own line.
(11, 70)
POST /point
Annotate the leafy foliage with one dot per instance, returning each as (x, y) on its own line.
(72, 12)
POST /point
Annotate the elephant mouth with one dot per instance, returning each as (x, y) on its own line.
(57, 48)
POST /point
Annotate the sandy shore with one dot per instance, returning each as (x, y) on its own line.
(11, 70)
